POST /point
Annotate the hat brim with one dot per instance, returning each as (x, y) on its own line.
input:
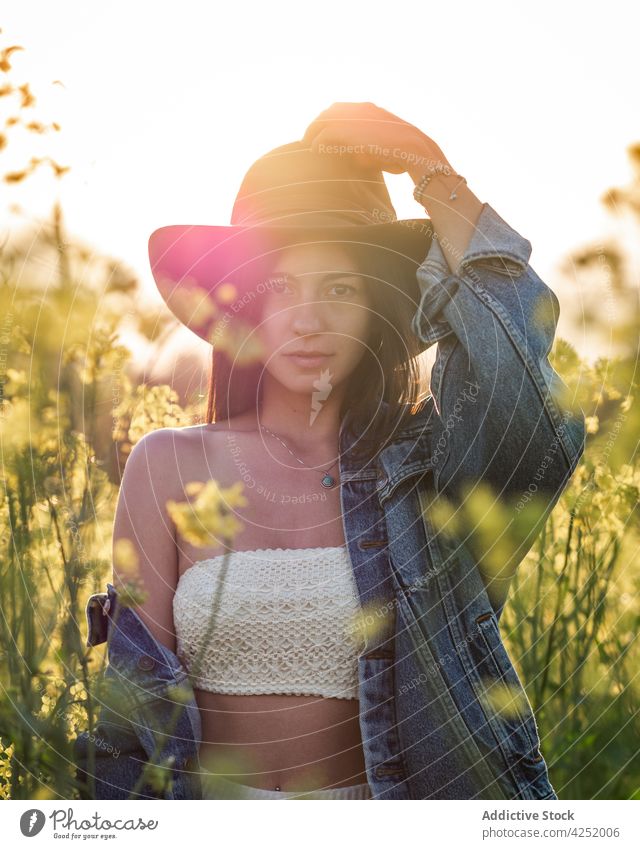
(191, 263)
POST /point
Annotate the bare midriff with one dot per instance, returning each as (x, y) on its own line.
(283, 742)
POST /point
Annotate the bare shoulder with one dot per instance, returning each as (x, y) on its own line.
(162, 438)
(168, 444)
(167, 458)
(156, 457)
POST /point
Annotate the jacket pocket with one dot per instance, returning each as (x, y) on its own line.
(118, 762)
(109, 760)
(509, 711)
(112, 757)
(503, 693)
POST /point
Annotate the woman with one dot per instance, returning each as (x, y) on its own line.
(324, 280)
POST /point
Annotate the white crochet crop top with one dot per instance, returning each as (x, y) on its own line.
(286, 622)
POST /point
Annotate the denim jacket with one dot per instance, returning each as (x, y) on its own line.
(497, 412)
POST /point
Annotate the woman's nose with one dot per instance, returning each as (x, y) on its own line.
(306, 317)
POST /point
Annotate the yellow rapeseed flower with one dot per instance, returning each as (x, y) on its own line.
(209, 516)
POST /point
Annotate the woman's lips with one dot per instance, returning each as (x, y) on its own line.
(312, 361)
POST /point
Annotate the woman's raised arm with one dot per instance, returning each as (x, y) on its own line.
(504, 416)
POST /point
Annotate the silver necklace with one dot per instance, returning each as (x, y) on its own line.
(327, 480)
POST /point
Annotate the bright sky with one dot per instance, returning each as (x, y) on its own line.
(165, 106)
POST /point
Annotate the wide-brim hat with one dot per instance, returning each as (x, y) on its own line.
(290, 196)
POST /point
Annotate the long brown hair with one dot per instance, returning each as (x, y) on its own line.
(388, 370)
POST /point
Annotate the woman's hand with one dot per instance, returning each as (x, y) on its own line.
(375, 138)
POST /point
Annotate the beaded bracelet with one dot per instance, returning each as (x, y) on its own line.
(435, 171)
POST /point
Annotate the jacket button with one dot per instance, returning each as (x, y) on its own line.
(147, 663)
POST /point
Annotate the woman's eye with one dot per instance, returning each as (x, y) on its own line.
(277, 284)
(344, 286)
(282, 286)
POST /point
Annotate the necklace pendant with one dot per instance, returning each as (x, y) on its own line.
(327, 480)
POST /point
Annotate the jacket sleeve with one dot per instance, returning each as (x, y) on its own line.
(503, 415)
(136, 713)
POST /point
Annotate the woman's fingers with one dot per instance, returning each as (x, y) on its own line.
(346, 114)
(333, 141)
(376, 138)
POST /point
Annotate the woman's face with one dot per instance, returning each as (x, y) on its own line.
(314, 300)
